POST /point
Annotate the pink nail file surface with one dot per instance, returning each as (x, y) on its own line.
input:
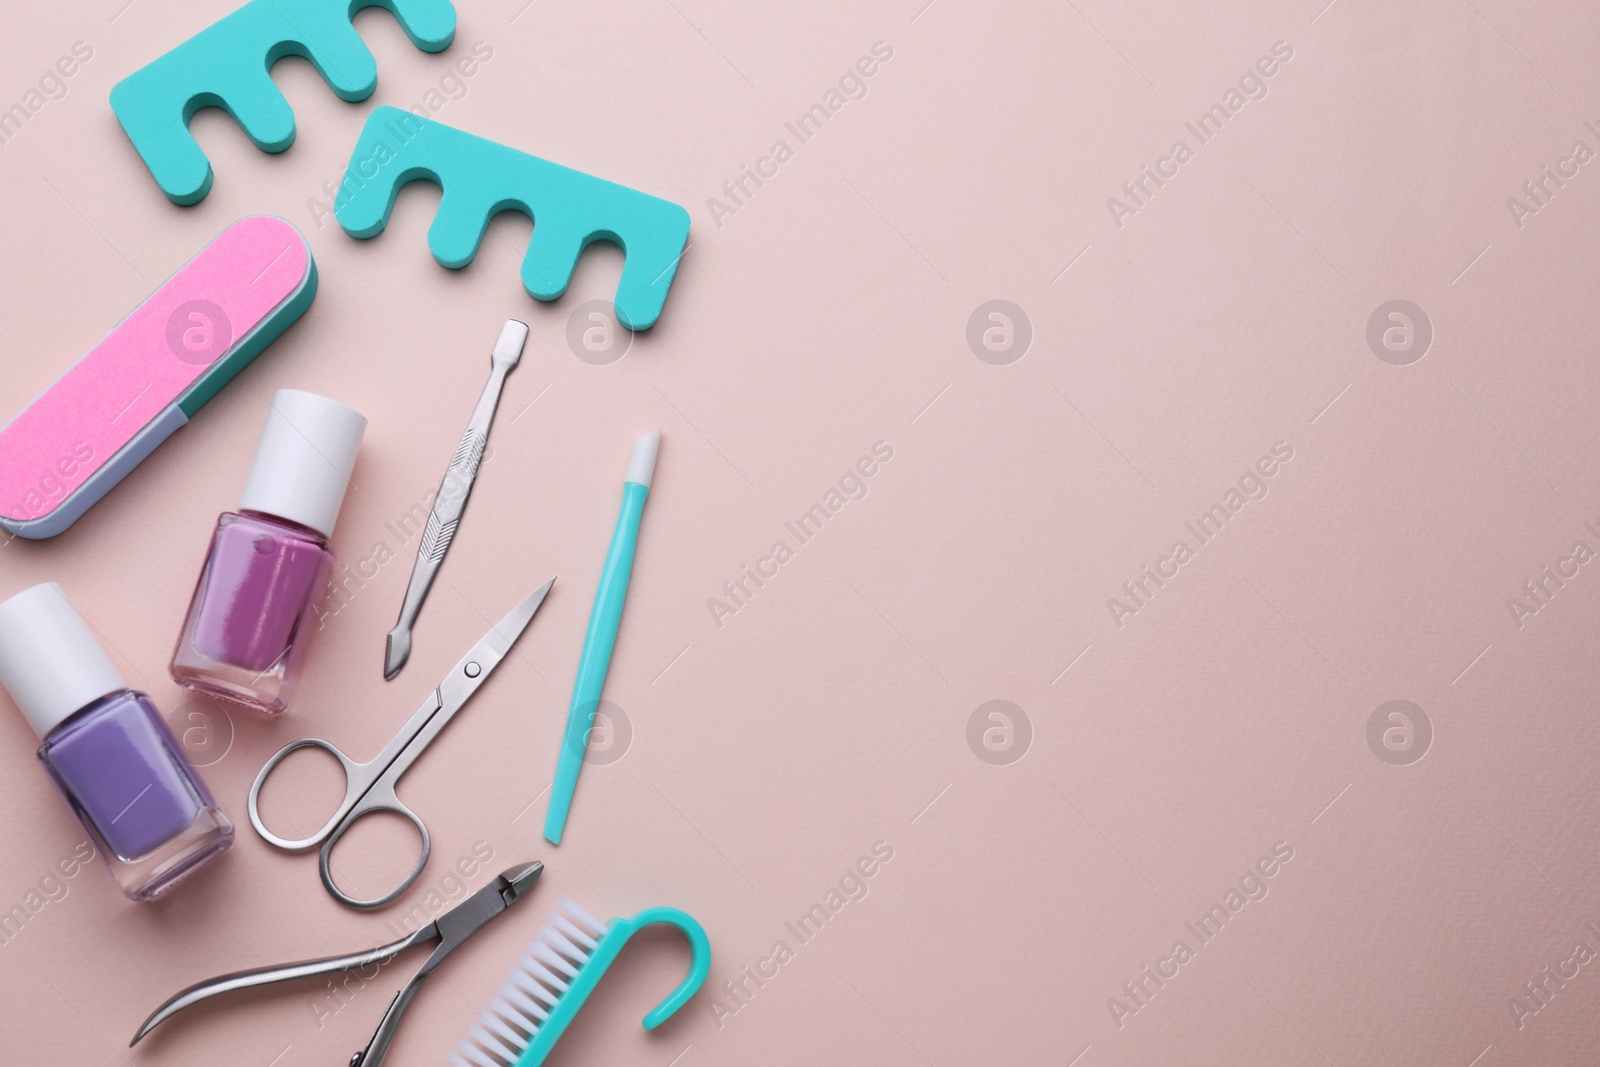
(151, 373)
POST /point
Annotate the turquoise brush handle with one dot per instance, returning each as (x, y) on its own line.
(595, 660)
(589, 974)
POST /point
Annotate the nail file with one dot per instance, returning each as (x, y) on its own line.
(151, 373)
(478, 177)
(228, 65)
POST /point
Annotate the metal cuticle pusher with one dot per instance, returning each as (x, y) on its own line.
(451, 500)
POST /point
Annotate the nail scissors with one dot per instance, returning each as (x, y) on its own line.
(450, 930)
(369, 787)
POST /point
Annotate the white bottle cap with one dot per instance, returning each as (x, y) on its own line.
(304, 460)
(50, 661)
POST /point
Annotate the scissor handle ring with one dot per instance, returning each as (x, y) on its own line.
(351, 795)
(389, 803)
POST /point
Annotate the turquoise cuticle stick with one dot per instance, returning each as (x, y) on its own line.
(601, 637)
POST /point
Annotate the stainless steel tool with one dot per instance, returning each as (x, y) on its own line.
(451, 499)
(369, 787)
(450, 930)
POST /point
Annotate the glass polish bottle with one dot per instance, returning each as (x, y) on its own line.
(106, 747)
(256, 601)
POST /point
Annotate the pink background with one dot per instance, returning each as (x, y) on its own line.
(831, 712)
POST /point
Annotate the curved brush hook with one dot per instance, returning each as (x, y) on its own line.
(699, 963)
(618, 931)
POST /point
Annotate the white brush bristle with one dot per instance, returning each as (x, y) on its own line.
(508, 1025)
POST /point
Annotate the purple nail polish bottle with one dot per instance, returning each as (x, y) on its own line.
(256, 601)
(149, 815)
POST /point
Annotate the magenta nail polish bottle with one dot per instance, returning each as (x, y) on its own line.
(255, 604)
(148, 813)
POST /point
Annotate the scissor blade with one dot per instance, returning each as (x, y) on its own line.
(461, 683)
(498, 641)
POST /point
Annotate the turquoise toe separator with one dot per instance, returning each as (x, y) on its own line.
(479, 178)
(227, 65)
(617, 934)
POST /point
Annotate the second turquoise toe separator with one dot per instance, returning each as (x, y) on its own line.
(479, 178)
(228, 65)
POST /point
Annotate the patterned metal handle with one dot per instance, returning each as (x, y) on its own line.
(451, 500)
